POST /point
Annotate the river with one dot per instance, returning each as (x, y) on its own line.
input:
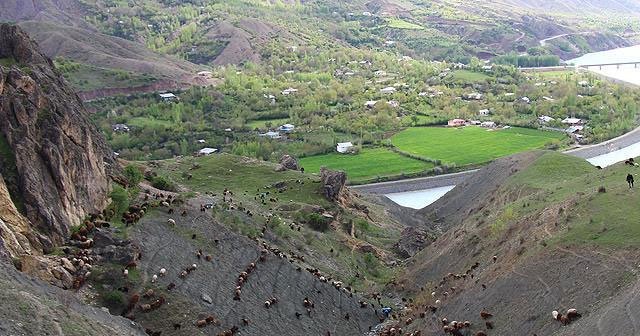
(628, 73)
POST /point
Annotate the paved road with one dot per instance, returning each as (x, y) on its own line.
(422, 183)
(543, 42)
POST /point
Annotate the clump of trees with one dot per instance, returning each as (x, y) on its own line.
(528, 61)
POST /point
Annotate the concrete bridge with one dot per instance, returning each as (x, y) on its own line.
(600, 65)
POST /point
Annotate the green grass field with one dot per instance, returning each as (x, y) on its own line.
(367, 165)
(240, 174)
(253, 124)
(470, 145)
(469, 76)
(402, 24)
(142, 122)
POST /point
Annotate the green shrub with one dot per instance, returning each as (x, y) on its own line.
(133, 175)
(318, 222)
(114, 299)
(120, 200)
(163, 183)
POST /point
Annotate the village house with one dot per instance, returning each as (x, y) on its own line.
(526, 99)
(380, 73)
(543, 119)
(271, 135)
(456, 122)
(344, 147)
(488, 124)
(484, 112)
(387, 90)
(574, 129)
(475, 122)
(394, 103)
(120, 128)
(271, 98)
(207, 151)
(370, 103)
(549, 99)
(201, 141)
(473, 96)
(572, 121)
(286, 128)
(168, 96)
(289, 91)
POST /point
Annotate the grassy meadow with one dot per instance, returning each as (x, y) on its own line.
(470, 145)
(366, 165)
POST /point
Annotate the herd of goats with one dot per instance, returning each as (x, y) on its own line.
(149, 300)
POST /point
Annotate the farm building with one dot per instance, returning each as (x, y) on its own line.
(344, 147)
(543, 119)
(168, 96)
(289, 91)
(488, 124)
(572, 121)
(456, 122)
(574, 129)
(370, 103)
(484, 112)
(473, 96)
(286, 128)
(120, 128)
(271, 135)
(207, 151)
(389, 89)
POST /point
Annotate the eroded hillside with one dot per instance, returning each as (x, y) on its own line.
(556, 234)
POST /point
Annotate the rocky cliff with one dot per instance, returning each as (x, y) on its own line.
(53, 161)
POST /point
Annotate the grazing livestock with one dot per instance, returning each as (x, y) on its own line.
(171, 221)
(485, 315)
(163, 272)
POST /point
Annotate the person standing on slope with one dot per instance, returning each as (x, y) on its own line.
(630, 180)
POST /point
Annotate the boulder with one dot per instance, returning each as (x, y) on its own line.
(206, 298)
(118, 254)
(332, 183)
(103, 238)
(67, 265)
(289, 162)
(65, 278)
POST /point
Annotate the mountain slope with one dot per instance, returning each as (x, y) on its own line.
(559, 242)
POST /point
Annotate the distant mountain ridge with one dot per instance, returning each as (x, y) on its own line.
(594, 7)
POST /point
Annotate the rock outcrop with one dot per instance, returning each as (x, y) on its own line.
(289, 162)
(54, 162)
(332, 183)
(411, 242)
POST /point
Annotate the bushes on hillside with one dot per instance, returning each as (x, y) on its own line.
(133, 175)
(163, 183)
(318, 222)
